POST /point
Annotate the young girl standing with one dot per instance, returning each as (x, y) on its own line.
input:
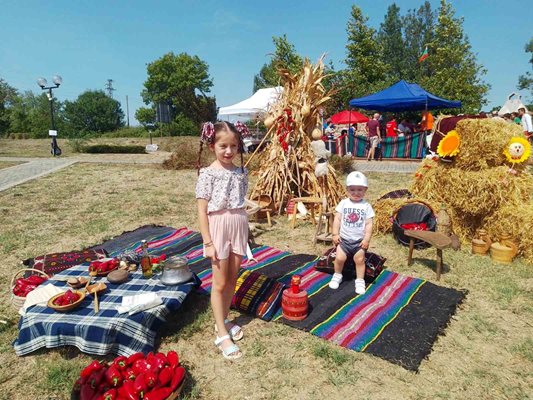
(220, 193)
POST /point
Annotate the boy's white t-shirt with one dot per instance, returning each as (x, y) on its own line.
(353, 218)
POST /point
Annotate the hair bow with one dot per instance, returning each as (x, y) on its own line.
(242, 129)
(208, 133)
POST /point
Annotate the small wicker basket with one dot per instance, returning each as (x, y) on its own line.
(18, 301)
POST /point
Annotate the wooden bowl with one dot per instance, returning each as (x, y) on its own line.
(81, 281)
(106, 272)
(67, 307)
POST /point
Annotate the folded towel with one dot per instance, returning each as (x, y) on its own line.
(39, 295)
(139, 302)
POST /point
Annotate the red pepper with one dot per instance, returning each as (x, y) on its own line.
(151, 379)
(139, 386)
(173, 359)
(158, 394)
(140, 366)
(89, 369)
(35, 280)
(153, 362)
(165, 376)
(120, 362)
(111, 394)
(87, 392)
(162, 357)
(96, 378)
(134, 357)
(128, 392)
(179, 375)
(113, 376)
(78, 384)
(128, 374)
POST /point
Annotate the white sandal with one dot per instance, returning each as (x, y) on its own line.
(235, 331)
(231, 352)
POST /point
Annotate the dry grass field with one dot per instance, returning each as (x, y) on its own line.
(486, 352)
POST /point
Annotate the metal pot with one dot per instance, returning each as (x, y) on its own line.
(175, 271)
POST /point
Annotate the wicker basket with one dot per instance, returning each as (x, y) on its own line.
(18, 301)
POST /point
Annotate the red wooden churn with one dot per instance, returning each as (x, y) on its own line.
(294, 302)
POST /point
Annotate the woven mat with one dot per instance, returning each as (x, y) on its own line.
(398, 318)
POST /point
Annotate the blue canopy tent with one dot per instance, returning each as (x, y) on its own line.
(403, 96)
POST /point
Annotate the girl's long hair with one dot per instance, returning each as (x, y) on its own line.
(222, 126)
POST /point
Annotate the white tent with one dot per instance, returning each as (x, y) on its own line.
(252, 106)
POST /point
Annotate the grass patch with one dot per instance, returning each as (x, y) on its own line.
(43, 216)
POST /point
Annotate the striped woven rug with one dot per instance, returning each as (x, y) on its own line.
(398, 318)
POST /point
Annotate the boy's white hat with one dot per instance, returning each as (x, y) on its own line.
(356, 178)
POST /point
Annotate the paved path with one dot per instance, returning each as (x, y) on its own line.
(32, 168)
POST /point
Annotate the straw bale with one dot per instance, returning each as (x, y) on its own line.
(516, 222)
(483, 142)
(474, 193)
(383, 210)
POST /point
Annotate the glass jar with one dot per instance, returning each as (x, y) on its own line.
(175, 271)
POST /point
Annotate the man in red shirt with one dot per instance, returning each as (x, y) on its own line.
(392, 127)
(374, 136)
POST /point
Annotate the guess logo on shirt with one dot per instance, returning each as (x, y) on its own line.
(353, 216)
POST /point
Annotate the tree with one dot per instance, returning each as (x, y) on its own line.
(418, 26)
(8, 94)
(93, 112)
(145, 116)
(284, 56)
(453, 71)
(182, 81)
(391, 39)
(365, 71)
(526, 81)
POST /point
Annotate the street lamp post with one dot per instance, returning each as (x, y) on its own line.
(56, 151)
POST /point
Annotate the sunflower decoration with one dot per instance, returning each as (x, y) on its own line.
(449, 144)
(518, 150)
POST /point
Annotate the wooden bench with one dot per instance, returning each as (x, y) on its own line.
(436, 239)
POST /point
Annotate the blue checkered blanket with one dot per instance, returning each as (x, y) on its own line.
(106, 331)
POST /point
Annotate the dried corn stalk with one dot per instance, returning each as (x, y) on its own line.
(286, 167)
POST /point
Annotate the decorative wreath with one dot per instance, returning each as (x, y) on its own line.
(518, 150)
(449, 144)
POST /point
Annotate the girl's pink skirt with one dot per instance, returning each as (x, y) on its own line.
(229, 232)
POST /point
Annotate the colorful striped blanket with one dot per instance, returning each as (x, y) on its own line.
(398, 318)
(409, 146)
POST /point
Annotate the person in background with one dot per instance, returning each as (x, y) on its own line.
(516, 118)
(403, 128)
(508, 118)
(391, 127)
(426, 124)
(351, 139)
(527, 124)
(374, 135)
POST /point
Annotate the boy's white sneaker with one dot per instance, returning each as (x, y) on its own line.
(335, 281)
(359, 286)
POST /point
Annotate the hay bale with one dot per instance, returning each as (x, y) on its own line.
(383, 210)
(483, 142)
(516, 222)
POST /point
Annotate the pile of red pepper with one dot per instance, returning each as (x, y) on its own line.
(67, 298)
(286, 126)
(23, 286)
(158, 259)
(104, 266)
(150, 377)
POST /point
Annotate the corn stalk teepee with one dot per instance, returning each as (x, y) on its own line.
(287, 165)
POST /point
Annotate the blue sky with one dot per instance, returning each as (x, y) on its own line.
(89, 42)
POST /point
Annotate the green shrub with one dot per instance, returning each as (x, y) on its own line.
(78, 144)
(133, 131)
(343, 165)
(110, 148)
